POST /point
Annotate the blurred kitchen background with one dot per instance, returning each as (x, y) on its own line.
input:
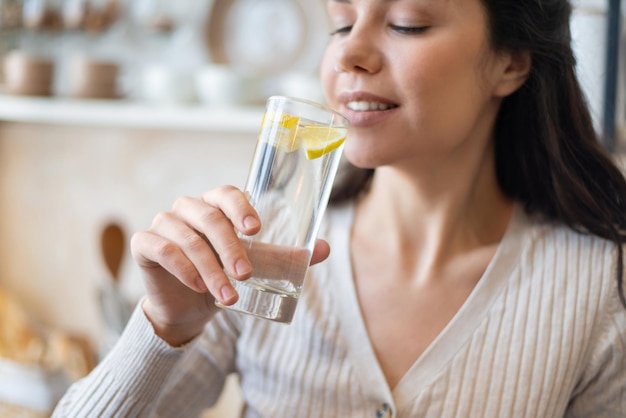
(111, 109)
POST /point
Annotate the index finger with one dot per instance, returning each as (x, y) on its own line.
(236, 206)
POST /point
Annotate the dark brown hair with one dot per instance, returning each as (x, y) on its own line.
(548, 155)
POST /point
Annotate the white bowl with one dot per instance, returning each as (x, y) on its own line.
(165, 85)
(303, 85)
(220, 85)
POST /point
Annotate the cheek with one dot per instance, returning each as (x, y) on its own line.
(446, 86)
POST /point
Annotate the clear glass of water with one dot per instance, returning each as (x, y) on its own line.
(294, 165)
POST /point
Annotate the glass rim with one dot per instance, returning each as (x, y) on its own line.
(311, 103)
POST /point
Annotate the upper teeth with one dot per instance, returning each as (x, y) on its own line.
(362, 106)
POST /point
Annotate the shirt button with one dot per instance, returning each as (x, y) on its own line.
(384, 411)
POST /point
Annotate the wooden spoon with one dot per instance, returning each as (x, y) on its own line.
(114, 307)
(113, 245)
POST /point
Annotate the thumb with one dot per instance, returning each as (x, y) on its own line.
(320, 252)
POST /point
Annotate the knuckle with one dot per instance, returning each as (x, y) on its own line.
(136, 241)
(181, 202)
(228, 189)
(166, 250)
(210, 216)
(232, 248)
(222, 192)
(188, 273)
(160, 218)
(194, 242)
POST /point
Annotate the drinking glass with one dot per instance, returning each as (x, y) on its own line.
(294, 165)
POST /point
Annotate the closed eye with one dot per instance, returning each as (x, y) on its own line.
(409, 29)
(344, 29)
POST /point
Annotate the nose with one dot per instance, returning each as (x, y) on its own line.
(357, 52)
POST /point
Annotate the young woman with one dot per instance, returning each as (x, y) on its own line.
(477, 250)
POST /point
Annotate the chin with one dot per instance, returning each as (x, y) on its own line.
(361, 159)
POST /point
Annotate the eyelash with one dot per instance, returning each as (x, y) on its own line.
(397, 28)
(344, 29)
(409, 29)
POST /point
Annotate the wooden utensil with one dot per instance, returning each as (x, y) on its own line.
(113, 245)
(114, 307)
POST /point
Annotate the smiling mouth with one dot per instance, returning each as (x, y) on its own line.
(365, 106)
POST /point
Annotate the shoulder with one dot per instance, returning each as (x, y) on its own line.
(567, 252)
(576, 271)
(572, 277)
(582, 269)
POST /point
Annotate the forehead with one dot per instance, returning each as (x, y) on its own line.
(412, 4)
(453, 9)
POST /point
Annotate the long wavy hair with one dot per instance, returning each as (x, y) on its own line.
(548, 155)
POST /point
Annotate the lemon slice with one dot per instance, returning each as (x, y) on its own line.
(280, 131)
(320, 140)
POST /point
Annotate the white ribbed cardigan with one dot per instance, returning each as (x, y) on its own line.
(541, 336)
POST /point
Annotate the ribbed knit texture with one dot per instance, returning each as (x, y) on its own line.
(541, 336)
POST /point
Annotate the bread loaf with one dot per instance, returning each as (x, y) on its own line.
(24, 341)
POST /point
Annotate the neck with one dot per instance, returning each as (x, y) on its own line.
(432, 215)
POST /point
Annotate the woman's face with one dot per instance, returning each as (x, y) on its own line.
(417, 78)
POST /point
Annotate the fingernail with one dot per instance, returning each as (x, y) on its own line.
(200, 286)
(242, 267)
(227, 293)
(250, 222)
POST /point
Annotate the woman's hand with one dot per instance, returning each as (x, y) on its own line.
(185, 254)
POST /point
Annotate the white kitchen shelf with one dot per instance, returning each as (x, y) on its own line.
(129, 114)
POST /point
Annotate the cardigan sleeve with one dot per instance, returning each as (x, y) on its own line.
(601, 390)
(143, 376)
